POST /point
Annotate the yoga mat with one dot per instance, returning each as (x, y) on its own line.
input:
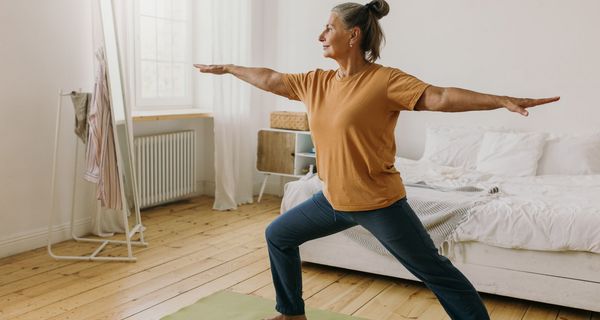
(227, 305)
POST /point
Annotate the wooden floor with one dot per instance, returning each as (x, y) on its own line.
(195, 251)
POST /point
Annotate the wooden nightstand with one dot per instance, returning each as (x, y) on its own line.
(285, 153)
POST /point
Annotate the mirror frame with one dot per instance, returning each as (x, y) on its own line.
(121, 118)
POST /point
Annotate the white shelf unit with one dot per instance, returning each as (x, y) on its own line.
(287, 153)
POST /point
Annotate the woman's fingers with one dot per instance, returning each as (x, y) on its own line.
(522, 111)
(200, 67)
(515, 107)
(520, 105)
(205, 68)
(215, 69)
(536, 102)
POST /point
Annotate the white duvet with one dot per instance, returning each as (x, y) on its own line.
(550, 213)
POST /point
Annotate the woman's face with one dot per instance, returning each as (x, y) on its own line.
(335, 38)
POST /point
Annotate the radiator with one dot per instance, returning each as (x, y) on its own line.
(165, 167)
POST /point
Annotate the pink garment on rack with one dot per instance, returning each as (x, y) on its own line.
(101, 158)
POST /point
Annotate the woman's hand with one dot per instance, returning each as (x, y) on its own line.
(520, 105)
(213, 68)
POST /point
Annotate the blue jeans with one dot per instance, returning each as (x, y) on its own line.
(396, 227)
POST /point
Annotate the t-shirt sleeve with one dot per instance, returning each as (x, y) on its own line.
(404, 90)
(298, 84)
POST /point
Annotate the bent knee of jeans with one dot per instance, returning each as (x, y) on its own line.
(274, 234)
(269, 232)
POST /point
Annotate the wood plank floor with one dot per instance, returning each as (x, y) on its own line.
(194, 252)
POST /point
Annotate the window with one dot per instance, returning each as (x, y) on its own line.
(163, 50)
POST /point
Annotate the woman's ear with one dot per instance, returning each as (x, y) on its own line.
(355, 34)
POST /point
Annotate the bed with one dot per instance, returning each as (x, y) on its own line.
(532, 236)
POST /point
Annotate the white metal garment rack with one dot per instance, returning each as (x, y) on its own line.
(129, 234)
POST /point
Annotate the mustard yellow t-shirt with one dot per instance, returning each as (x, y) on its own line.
(352, 122)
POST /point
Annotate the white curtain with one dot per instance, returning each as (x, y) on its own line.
(106, 222)
(233, 122)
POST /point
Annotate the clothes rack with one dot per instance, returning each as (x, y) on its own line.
(138, 228)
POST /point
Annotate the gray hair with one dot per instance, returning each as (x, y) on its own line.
(366, 18)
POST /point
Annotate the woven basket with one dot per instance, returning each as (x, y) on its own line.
(289, 120)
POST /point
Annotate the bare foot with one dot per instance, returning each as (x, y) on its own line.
(284, 317)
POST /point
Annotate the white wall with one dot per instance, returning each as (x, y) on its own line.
(531, 48)
(44, 46)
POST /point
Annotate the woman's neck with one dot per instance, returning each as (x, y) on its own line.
(351, 66)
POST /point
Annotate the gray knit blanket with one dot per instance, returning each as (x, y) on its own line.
(441, 210)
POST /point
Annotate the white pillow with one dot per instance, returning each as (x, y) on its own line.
(510, 154)
(452, 146)
(571, 155)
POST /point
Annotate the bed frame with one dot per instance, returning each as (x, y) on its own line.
(566, 278)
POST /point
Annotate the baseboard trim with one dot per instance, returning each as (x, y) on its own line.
(38, 238)
(208, 188)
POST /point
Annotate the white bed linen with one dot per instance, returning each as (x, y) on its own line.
(550, 213)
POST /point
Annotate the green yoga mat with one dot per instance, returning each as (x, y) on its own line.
(226, 305)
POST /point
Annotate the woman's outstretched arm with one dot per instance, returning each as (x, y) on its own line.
(457, 100)
(262, 78)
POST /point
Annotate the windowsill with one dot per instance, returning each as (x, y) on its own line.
(175, 114)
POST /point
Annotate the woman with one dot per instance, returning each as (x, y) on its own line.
(353, 112)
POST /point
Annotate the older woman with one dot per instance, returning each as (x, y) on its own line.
(353, 112)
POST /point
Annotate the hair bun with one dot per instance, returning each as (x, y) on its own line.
(380, 8)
